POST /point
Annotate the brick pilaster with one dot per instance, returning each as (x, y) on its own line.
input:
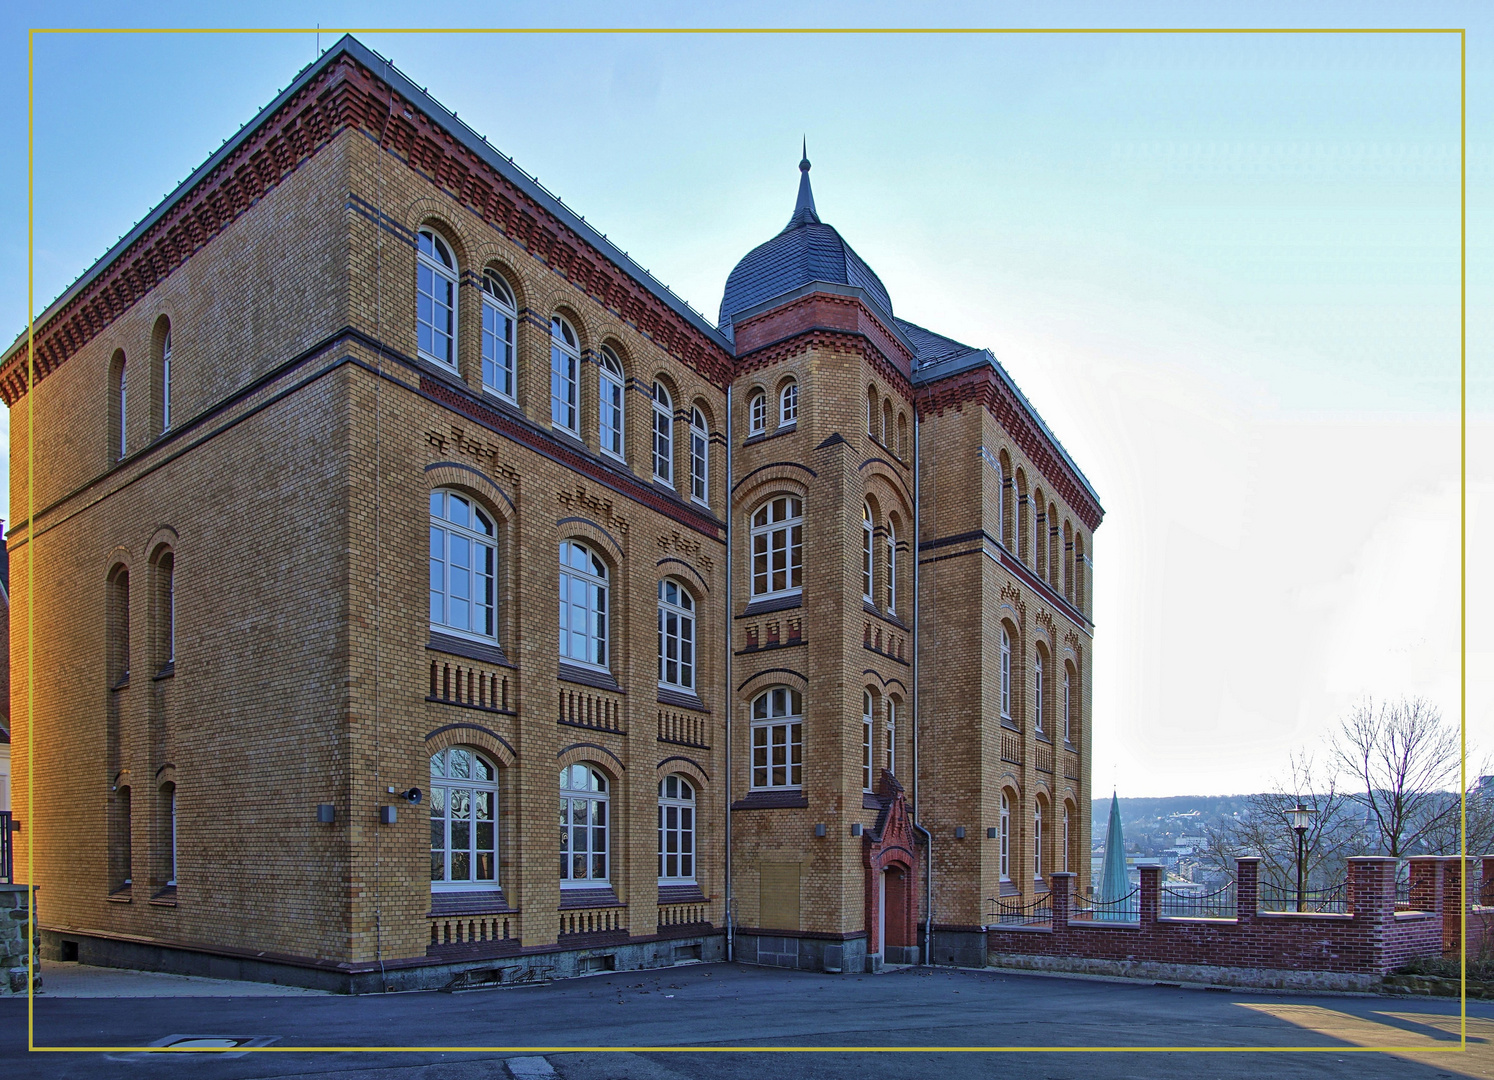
(1060, 891)
(1247, 887)
(1426, 883)
(1151, 890)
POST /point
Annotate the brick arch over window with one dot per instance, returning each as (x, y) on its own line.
(685, 767)
(487, 257)
(441, 218)
(599, 758)
(452, 474)
(485, 739)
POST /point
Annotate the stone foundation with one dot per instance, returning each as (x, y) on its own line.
(14, 920)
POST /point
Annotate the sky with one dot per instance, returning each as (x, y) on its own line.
(1225, 269)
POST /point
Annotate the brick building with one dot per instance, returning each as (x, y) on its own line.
(364, 465)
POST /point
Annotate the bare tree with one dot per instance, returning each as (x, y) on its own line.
(1444, 835)
(1264, 830)
(1403, 759)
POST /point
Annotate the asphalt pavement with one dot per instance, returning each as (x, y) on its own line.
(719, 1021)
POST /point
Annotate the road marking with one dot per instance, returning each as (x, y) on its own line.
(530, 1068)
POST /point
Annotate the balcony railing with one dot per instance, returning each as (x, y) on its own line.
(1011, 747)
(595, 709)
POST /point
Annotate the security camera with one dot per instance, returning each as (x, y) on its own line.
(413, 795)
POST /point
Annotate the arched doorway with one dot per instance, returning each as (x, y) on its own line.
(891, 881)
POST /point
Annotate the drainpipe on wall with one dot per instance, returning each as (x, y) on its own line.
(928, 932)
(726, 698)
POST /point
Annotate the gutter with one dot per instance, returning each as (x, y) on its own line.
(928, 932)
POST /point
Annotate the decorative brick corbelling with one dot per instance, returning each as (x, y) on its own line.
(826, 337)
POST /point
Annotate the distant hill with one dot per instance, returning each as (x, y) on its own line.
(1151, 825)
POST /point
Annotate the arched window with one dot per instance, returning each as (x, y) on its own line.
(1068, 561)
(1037, 691)
(1065, 838)
(565, 364)
(1023, 549)
(700, 444)
(1007, 503)
(121, 855)
(435, 299)
(676, 830)
(1068, 724)
(166, 381)
(676, 637)
(871, 411)
(663, 435)
(777, 739)
(889, 739)
(1037, 841)
(464, 567)
(1055, 560)
(891, 567)
(166, 608)
(117, 411)
(902, 436)
(1040, 534)
(584, 826)
(1006, 675)
(464, 820)
(866, 552)
(119, 626)
(168, 834)
(1004, 834)
(788, 404)
(778, 547)
(866, 740)
(610, 403)
(888, 435)
(499, 315)
(757, 414)
(583, 605)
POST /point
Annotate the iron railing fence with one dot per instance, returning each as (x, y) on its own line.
(1334, 900)
(1126, 909)
(1012, 912)
(1220, 904)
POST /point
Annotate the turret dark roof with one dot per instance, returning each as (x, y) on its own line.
(807, 250)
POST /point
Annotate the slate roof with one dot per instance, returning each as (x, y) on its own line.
(806, 250)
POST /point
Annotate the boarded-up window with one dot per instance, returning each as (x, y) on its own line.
(779, 901)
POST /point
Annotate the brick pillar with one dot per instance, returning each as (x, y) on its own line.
(1457, 897)
(1426, 883)
(1151, 892)
(1486, 890)
(1060, 890)
(1247, 887)
(1372, 879)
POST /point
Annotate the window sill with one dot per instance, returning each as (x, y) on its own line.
(871, 801)
(165, 898)
(774, 603)
(467, 649)
(1042, 737)
(467, 902)
(681, 700)
(772, 800)
(886, 616)
(165, 673)
(122, 684)
(764, 436)
(120, 896)
(1008, 888)
(588, 896)
(597, 680)
(1009, 724)
(683, 892)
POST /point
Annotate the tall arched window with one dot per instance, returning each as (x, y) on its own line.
(1023, 549)
(121, 854)
(610, 403)
(119, 435)
(757, 414)
(1040, 534)
(1006, 675)
(676, 831)
(676, 637)
(871, 411)
(584, 847)
(464, 820)
(166, 381)
(888, 435)
(166, 608)
(119, 626)
(889, 737)
(1055, 559)
(168, 834)
(1037, 691)
(1007, 502)
(778, 739)
(464, 567)
(902, 436)
(499, 315)
(700, 443)
(891, 567)
(435, 299)
(788, 404)
(778, 547)
(565, 365)
(583, 605)
(1004, 835)
(1068, 726)
(866, 552)
(1037, 841)
(866, 740)
(663, 435)
(1065, 838)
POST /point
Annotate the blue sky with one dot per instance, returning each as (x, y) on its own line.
(1225, 268)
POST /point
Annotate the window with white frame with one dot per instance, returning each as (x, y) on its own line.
(610, 403)
(676, 636)
(866, 552)
(891, 568)
(757, 414)
(584, 847)
(788, 405)
(464, 820)
(168, 796)
(1004, 833)
(889, 741)
(435, 299)
(777, 539)
(866, 741)
(676, 831)
(777, 739)
(166, 382)
(1006, 675)
(1037, 692)
(1037, 842)
(700, 450)
(565, 381)
(583, 606)
(167, 570)
(1067, 725)
(464, 567)
(663, 435)
(500, 314)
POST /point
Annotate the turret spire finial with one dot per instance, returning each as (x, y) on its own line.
(804, 210)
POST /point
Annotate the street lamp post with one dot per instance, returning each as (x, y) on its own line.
(1301, 819)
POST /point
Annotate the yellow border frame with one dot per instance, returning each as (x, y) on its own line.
(1462, 533)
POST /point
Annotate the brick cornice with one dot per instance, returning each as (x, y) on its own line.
(826, 337)
(984, 387)
(348, 95)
